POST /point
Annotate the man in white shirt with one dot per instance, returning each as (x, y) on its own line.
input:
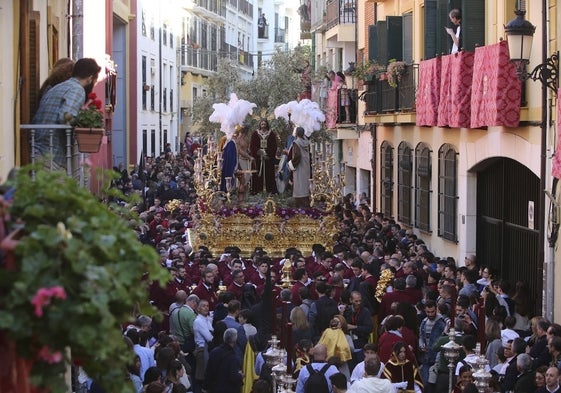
(370, 351)
(371, 383)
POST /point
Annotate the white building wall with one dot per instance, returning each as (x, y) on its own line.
(161, 74)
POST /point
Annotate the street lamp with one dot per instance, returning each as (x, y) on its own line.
(519, 34)
(451, 353)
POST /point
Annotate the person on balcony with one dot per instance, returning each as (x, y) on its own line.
(58, 103)
(456, 19)
(261, 23)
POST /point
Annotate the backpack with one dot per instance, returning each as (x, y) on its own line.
(316, 382)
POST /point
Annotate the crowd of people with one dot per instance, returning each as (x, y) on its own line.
(369, 314)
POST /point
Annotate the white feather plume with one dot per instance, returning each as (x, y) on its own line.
(232, 114)
(305, 114)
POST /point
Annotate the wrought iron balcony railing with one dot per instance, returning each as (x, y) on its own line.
(73, 162)
(380, 97)
(340, 12)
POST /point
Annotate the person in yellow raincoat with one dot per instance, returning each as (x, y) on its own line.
(337, 343)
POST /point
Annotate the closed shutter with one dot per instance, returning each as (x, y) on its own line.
(430, 29)
(408, 38)
(473, 24)
(395, 38)
(372, 38)
(30, 75)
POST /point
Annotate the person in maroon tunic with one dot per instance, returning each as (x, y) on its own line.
(205, 289)
(263, 149)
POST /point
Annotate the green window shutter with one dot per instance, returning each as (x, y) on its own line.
(395, 37)
(408, 38)
(473, 24)
(378, 44)
(372, 38)
(430, 29)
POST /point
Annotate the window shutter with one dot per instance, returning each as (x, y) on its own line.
(473, 24)
(372, 39)
(394, 38)
(430, 29)
(408, 38)
(379, 43)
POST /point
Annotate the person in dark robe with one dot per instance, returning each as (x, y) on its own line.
(263, 148)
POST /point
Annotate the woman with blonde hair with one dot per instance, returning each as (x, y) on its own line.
(301, 329)
(494, 343)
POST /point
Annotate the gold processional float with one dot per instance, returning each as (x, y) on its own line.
(223, 220)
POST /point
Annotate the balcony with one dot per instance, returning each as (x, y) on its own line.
(70, 160)
(263, 33)
(280, 35)
(215, 7)
(199, 59)
(381, 98)
(340, 12)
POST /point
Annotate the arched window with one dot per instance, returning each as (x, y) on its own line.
(447, 192)
(404, 182)
(422, 186)
(386, 178)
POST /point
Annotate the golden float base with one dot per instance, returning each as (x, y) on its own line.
(273, 233)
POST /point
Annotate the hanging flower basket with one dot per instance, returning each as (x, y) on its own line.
(88, 139)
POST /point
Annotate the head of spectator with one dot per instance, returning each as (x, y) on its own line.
(230, 337)
(319, 352)
(338, 382)
(372, 366)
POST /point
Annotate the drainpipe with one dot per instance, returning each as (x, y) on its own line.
(547, 306)
(77, 18)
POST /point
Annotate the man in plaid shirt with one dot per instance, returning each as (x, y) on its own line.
(66, 97)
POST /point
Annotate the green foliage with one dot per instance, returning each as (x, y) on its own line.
(72, 240)
(276, 82)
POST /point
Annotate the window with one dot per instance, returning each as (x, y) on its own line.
(404, 182)
(144, 23)
(144, 93)
(144, 141)
(165, 35)
(153, 98)
(422, 186)
(386, 178)
(153, 142)
(152, 32)
(165, 103)
(436, 18)
(447, 192)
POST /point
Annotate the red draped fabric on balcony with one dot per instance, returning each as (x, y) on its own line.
(556, 164)
(428, 92)
(445, 92)
(455, 90)
(496, 90)
(460, 89)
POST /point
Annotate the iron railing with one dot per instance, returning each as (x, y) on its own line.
(280, 35)
(73, 162)
(380, 97)
(340, 12)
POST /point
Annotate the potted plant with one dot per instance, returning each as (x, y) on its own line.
(396, 69)
(367, 71)
(77, 279)
(89, 125)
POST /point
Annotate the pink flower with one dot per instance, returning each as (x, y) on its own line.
(46, 354)
(43, 298)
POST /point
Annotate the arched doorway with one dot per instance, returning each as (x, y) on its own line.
(508, 207)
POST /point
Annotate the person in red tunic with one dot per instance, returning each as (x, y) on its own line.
(237, 284)
(400, 370)
(392, 335)
(263, 148)
(205, 289)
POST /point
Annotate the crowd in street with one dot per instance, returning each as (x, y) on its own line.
(370, 314)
